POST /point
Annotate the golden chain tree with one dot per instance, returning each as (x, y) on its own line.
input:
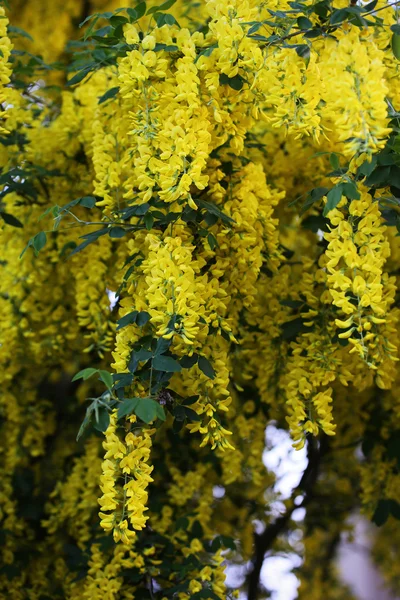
(200, 207)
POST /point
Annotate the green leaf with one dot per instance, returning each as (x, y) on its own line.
(315, 223)
(137, 210)
(164, 6)
(143, 354)
(94, 18)
(254, 28)
(102, 420)
(315, 195)
(304, 23)
(19, 31)
(165, 19)
(191, 414)
(333, 198)
(88, 18)
(10, 220)
(160, 412)
(148, 221)
(106, 378)
(132, 14)
(111, 93)
(190, 400)
(187, 362)
(206, 367)
(89, 238)
(378, 177)
(338, 16)
(39, 241)
(28, 245)
(127, 407)
(367, 167)
(84, 374)
(206, 52)
(212, 241)
(395, 29)
(334, 160)
(292, 328)
(236, 82)
(370, 6)
(381, 513)
(141, 9)
(303, 50)
(222, 541)
(80, 75)
(214, 210)
(166, 48)
(53, 210)
(350, 191)
(162, 346)
(85, 424)
(396, 45)
(87, 201)
(142, 318)
(394, 178)
(117, 232)
(147, 410)
(166, 363)
(128, 319)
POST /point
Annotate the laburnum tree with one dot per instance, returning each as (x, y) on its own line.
(200, 207)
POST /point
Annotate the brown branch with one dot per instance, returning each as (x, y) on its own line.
(264, 541)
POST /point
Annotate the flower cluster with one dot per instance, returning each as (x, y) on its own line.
(124, 504)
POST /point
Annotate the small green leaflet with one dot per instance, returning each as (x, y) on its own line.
(106, 378)
(19, 31)
(127, 407)
(117, 232)
(333, 198)
(109, 94)
(89, 238)
(350, 190)
(164, 6)
(396, 45)
(334, 160)
(236, 83)
(142, 318)
(214, 210)
(102, 420)
(166, 19)
(85, 423)
(165, 47)
(84, 374)
(39, 241)
(146, 409)
(206, 52)
(137, 12)
(304, 23)
(86, 201)
(128, 319)
(206, 367)
(338, 16)
(166, 363)
(10, 219)
(384, 509)
(80, 75)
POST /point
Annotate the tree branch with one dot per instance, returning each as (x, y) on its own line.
(264, 541)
